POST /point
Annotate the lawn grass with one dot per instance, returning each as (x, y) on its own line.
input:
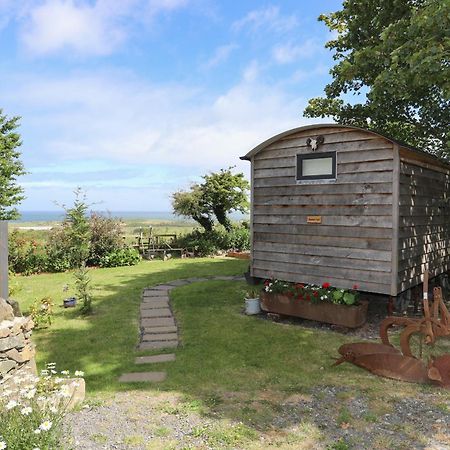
(103, 344)
(242, 372)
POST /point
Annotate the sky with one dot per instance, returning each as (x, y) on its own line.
(133, 100)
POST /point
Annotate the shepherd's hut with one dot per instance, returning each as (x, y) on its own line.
(347, 206)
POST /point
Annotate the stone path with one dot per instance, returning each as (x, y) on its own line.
(158, 328)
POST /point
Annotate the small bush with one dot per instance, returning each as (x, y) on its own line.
(206, 243)
(26, 256)
(41, 312)
(106, 237)
(126, 256)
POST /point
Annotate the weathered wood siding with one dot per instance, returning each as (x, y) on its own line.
(353, 244)
(424, 225)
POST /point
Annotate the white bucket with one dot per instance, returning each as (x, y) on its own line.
(252, 306)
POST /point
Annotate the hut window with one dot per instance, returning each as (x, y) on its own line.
(316, 166)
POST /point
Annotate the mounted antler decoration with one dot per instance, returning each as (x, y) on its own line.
(315, 142)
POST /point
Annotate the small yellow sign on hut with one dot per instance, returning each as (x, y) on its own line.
(314, 219)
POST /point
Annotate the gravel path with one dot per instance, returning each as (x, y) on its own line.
(155, 420)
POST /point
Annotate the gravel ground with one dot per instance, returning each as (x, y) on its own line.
(325, 418)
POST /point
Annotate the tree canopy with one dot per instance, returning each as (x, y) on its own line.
(220, 194)
(394, 57)
(10, 167)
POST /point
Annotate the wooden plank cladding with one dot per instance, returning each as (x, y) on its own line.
(384, 216)
(424, 233)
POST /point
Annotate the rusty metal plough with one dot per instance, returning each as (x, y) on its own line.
(387, 361)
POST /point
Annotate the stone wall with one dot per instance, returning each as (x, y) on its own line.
(16, 348)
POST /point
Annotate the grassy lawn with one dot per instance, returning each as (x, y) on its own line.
(230, 367)
(102, 344)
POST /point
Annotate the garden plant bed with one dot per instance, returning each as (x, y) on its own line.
(347, 316)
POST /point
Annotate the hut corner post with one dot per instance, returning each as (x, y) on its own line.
(4, 293)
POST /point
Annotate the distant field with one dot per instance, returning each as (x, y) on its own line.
(132, 227)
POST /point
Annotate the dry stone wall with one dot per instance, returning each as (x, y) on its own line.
(16, 348)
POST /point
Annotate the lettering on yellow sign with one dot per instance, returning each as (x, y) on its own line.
(314, 219)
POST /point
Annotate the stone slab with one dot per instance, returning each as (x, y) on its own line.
(159, 337)
(162, 287)
(158, 312)
(158, 322)
(157, 345)
(151, 294)
(139, 377)
(153, 330)
(179, 283)
(154, 359)
(155, 304)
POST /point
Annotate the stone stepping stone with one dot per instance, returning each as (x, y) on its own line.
(158, 322)
(158, 312)
(159, 298)
(157, 345)
(161, 287)
(139, 377)
(155, 304)
(179, 283)
(147, 294)
(154, 359)
(155, 330)
(159, 337)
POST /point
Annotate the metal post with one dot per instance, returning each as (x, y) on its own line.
(4, 259)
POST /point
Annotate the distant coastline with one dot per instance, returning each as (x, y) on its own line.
(58, 216)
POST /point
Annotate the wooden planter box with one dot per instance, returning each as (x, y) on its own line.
(346, 316)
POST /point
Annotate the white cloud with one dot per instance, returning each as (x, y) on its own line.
(288, 53)
(269, 18)
(127, 121)
(221, 54)
(86, 28)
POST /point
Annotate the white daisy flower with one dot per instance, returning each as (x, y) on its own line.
(26, 411)
(11, 404)
(45, 425)
(79, 373)
(2, 445)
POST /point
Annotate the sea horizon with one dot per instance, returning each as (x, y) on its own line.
(57, 216)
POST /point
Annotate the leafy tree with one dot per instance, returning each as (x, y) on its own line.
(224, 192)
(221, 193)
(395, 56)
(190, 204)
(10, 167)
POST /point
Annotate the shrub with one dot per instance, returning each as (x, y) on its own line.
(32, 409)
(126, 256)
(26, 256)
(106, 237)
(41, 312)
(82, 285)
(206, 243)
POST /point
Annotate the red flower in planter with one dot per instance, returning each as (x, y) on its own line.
(307, 298)
(266, 283)
(316, 294)
(326, 285)
(355, 286)
(299, 286)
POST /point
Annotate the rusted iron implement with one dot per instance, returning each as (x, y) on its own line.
(387, 361)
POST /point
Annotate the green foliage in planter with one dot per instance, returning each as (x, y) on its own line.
(313, 293)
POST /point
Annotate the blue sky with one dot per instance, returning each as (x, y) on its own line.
(135, 99)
